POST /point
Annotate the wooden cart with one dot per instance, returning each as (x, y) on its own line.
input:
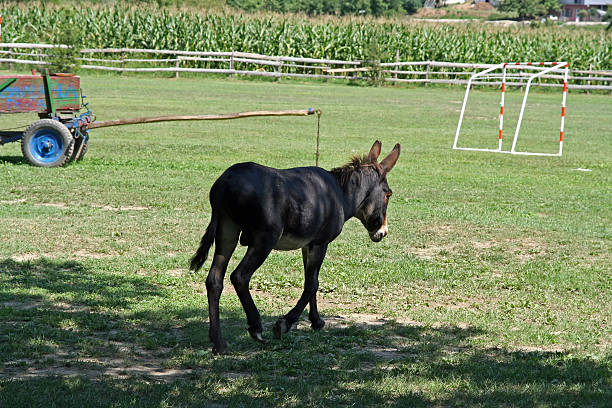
(61, 132)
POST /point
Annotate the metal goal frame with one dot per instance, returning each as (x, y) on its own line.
(548, 67)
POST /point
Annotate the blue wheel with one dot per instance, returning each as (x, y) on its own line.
(47, 143)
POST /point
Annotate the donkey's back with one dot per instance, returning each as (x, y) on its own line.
(296, 206)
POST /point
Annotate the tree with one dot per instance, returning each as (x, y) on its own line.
(411, 6)
(530, 9)
(551, 6)
(608, 18)
(67, 33)
(378, 7)
(338, 7)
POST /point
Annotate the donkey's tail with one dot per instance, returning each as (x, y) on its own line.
(205, 243)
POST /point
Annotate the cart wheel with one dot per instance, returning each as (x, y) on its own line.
(79, 152)
(47, 143)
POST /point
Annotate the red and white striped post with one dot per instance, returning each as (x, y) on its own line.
(563, 109)
(501, 109)
(465, 99)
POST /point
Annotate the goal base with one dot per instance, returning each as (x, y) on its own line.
(473, 149)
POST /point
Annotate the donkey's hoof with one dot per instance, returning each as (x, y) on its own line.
(317, 324)
(256, 335)
(280, 328)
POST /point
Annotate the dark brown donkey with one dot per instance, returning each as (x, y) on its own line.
(303, 207)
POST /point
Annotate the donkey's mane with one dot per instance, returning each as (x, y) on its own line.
(344, 173)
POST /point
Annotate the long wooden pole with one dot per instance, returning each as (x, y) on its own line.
(153, 119)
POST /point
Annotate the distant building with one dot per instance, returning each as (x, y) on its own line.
(570, 9)
(441, 3)
(494, 3)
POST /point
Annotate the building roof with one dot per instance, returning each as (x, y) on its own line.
(598, 2)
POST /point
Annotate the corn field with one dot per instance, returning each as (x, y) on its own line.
(342, 39)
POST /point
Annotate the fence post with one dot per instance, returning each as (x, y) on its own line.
(10, 54)
(396, 66)
(178, 62)
(426, 74)
(279, 69)
(589, 74)
(122, 63)
(231, 67)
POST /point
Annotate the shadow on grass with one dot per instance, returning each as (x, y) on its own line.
(64, 327)
(19, 160)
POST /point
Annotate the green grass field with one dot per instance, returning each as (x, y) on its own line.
(493, 287)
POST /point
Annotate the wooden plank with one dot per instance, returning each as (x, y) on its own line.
(27, 93)
(153, 119)
(345, 70)
(30, 45)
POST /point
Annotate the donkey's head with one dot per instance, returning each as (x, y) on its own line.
(365, 180)
(373, 209)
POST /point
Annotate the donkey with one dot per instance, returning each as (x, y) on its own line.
(303, 207)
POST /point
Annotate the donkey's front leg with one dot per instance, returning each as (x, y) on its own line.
(313, 256)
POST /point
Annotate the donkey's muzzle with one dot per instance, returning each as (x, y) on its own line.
(379, 234)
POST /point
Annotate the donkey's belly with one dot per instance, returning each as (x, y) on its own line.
(288, 242)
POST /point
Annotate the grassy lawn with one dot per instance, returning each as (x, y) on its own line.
(493, 287)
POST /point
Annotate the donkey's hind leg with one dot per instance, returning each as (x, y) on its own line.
(312, 256)
(313, 314)
(255, 255)
(225, 243)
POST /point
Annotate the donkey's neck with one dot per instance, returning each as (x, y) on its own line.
(355, 191)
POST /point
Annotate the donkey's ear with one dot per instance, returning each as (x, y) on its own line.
(374, 151)
(389, 161)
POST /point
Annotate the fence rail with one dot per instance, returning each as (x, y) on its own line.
(244, 63)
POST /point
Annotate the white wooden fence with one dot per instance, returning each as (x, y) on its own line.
(243, 63)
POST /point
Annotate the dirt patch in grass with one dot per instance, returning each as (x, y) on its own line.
(81, 253)
(126, 359)
(22, 305)
(54, 205)
(120, 208)
(447, 240)
(94, 368)
(17, 201)
(178, 273)
(65, 206)
(359, 319)
(549, 349)
(26, 257)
